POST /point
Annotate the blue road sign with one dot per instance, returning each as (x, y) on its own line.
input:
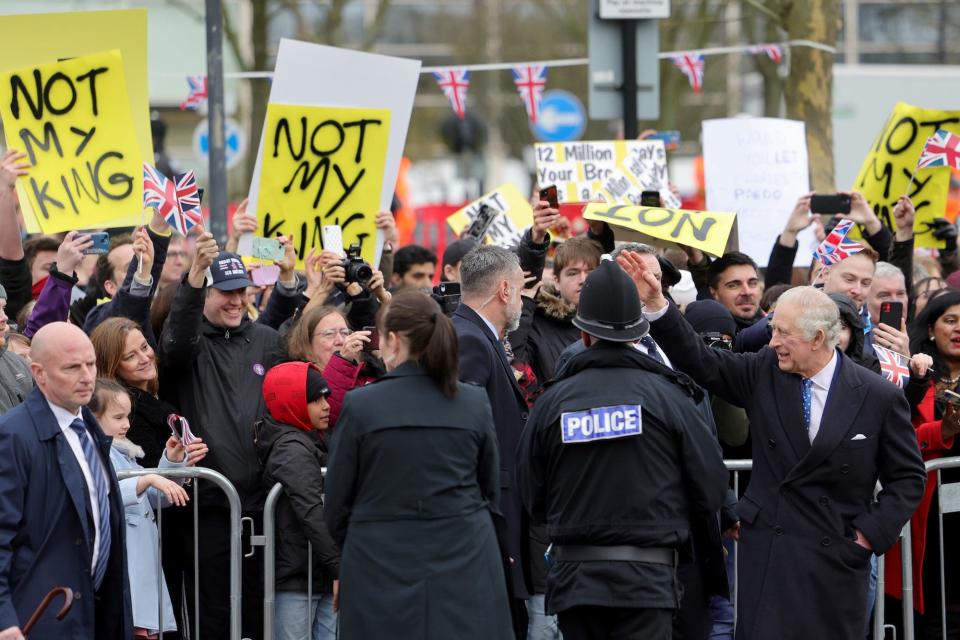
(236, 142)
(562, 117)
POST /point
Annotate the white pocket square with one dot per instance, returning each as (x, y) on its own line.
(859, 436)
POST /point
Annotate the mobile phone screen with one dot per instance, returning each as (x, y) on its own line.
(550, 195)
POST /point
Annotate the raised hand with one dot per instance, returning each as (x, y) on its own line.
(70, 254)
(648, 287)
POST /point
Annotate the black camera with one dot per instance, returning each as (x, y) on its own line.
(447, 295)
(355, 268)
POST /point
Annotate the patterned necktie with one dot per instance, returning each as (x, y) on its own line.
(807, 402)
(651, 348)
(100, 485)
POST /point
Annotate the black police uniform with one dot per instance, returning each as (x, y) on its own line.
(616, 458)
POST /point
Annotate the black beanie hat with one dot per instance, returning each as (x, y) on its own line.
(709, 316)
(316, 385)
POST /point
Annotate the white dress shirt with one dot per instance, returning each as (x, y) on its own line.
(642, 349)
(64, 419)
(819, 390)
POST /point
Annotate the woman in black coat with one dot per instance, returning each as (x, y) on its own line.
(412, 480)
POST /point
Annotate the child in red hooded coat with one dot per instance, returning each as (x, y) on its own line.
(293, 454)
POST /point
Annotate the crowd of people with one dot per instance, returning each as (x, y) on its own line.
(541, 459)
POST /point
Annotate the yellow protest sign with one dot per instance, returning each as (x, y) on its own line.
(506, 230)
(322, 166)
(73, 121)
(885, 174)
(704, 230)
(31, 39)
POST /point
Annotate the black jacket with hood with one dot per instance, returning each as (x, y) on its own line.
(295, 458)
(215, 376)
(546, 329)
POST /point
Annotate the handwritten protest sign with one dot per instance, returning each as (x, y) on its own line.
(614, 171)
(758, 168)
(322, 166)
(32, 39)
(704, 230)
(507, 229)
(885, 173)
(351, 79)
(72, 119)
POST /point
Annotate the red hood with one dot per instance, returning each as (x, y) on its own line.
(285, 393)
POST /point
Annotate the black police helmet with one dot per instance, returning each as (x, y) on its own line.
(610, 306)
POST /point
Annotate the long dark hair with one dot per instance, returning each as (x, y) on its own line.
(433, 341)
(919, 330)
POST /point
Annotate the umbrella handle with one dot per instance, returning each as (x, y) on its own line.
(47, 599)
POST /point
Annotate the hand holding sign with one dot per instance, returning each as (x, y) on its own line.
(11, 167)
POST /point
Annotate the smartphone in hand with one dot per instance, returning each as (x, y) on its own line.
(830, 203)
(891, 314)
(549, 194)
(101, 243)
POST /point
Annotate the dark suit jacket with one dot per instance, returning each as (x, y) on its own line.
(47, 532)
(483, 362)
(801, 573)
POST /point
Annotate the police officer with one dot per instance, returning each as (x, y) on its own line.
(616, 459)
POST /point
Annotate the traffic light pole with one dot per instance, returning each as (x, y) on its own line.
(217, 188)
(628, 35)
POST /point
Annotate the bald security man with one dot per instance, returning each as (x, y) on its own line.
(61, 514)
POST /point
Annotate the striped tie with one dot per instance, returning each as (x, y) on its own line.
(100, 485)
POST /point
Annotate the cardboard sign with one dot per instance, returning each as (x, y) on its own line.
(32, 39)
(704, 230)
(322, 166)
(318, 75)
(73, 121)
(508, 228)
(886, 172)
(616, 171)
(758, 168)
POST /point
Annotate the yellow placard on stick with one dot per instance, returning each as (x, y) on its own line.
(72, 119)
(40, 38)
(885, 174)
(516, 214)
(322, 166)
(704, 230)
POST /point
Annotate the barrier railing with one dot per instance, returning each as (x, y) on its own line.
(233, 499)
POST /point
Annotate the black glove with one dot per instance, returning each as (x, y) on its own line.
(945, 230)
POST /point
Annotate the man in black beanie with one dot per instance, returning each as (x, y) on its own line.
(617, 419)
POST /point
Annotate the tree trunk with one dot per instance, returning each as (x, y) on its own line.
(809, 90)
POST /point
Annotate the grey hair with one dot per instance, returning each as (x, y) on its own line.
(887, 270)
(483, 267)
(817, 313)
(635, 247)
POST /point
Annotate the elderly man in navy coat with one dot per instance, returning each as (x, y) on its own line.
(491, 281)
(824, 431)
(61, 515)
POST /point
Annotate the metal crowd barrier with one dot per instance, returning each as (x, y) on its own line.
(948, 502)
(200, 473)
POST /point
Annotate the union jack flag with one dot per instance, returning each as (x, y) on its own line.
(942, 150)
(177, 200)
(691, 64)
(530, 80)
(197, 93)
(894, 366)
(772, 51)
(835, 247)
(454, 83)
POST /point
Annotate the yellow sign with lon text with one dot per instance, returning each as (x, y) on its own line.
(885, 174)
(704, 230)
(72, 119)
(322, 166)
(516, 214)
(39, 38)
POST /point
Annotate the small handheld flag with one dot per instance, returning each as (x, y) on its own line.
(177, 200)
(196, 93)
(454, 83)
(835, 247)
(181, 429)
(942, 150)
(894, 366)
(691, 64)
(531, 80)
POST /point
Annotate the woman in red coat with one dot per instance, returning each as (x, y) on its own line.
(935, 332)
